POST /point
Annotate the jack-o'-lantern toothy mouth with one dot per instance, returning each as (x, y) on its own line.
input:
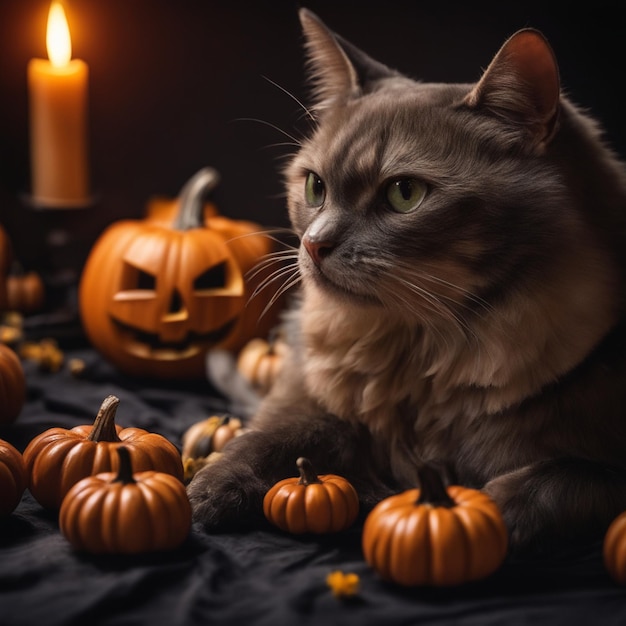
(149, 345)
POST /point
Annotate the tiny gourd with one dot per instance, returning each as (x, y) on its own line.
(12, 385)
(310, 503)
(260, 360)
(435, 536)
(13, 477)
(58, 458)
(25, 291)
(205, 438)
(614, 549)
(126, 512)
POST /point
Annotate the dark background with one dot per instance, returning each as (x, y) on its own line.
(173, 85)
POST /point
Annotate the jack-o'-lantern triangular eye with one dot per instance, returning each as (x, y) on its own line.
(145, 280)
(135, 278)
(213, 278)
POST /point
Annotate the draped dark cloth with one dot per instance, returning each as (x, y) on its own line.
(264, 577)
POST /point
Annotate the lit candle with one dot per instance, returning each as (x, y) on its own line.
(58, 120)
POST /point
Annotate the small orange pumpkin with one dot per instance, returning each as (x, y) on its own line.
(206, 437)
(311, 503)
(13, 477)
(58, 458)
(260, 361)
(209, 435)
(614, 549)
(173, 291)
(25, 291)
(126, 512)
(435, 536)
(12, 385)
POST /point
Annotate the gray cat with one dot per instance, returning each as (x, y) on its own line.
(461, 298)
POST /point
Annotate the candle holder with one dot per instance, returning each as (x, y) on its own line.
(54, 242)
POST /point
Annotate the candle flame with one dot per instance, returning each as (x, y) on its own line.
(58, 39)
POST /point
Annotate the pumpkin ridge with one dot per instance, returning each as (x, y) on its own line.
(295, 511)
(151, 489)
(338, 514)
(110, 511)
(88, 508)
(77, 463)
(398, 561)
(318, 507)
(444, 541)
(279, 504)
(44, 469)
(473, 539)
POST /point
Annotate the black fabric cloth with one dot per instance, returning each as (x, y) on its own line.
(264, 577)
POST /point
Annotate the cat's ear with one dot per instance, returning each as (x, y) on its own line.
(522, 86)
(339, 70)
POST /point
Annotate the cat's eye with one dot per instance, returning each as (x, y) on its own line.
(314, 190)
(406, 194)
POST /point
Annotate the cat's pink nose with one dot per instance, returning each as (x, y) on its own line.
(317, 250)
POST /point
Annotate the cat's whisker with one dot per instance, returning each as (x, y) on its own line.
(468, 295)
(288, 284)
(288, 93)
(406, 304)
(270, 259)
(273, 277)
(439, 307)
(296, 142)
(281, 144)
(254, 273)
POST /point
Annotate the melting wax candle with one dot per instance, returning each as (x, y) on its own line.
(58, 120)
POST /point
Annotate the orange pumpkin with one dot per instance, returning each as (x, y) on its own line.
(58, 458)
(25, 291)
(155, 297)
(435, 536)
(206, 437)
(260, 361)
(614, 549)
(12, 385)
(13, 477)
(310, 503)
(126, 513)
(209, 435)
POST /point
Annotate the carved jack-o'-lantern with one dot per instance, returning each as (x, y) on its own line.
(155, 297)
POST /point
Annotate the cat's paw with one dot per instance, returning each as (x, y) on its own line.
(515, 500)
(550, 504)
(226, 496)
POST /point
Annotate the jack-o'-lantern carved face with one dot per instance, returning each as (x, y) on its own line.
(155, 298)
(179, 296)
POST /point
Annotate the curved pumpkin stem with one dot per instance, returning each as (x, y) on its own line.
(125, 469)
(307, 473)
(432, 489)
(104, 424)
(191, 199)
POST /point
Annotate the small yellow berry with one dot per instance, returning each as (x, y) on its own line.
(343, 585)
